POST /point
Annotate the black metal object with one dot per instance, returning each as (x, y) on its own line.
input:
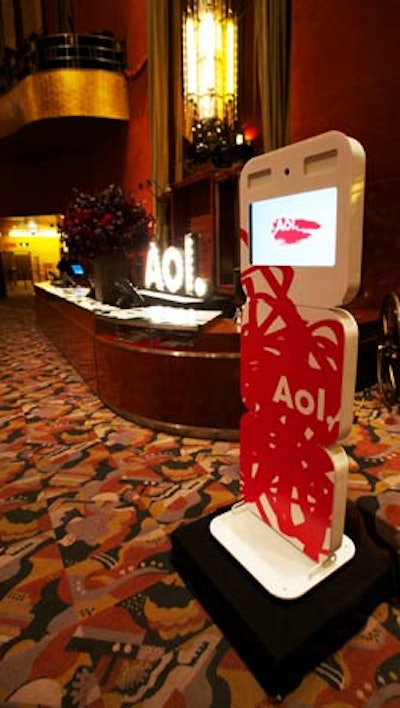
(388, 359)
(280, 640)
(69, 50)
(64, 50)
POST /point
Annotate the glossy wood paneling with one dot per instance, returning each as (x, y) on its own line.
(197, 390)
(193, 392)
(72, 330)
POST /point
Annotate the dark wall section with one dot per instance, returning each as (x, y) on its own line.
(346, 76)
(40, 166)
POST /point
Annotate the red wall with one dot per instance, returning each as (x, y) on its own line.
(346, 76)
(127, 20)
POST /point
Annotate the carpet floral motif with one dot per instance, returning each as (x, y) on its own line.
(92, 613)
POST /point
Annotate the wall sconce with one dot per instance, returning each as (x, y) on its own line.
(210, 80)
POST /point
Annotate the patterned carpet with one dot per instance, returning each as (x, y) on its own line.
(92, 613)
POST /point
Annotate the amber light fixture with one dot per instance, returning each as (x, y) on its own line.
(210, 72)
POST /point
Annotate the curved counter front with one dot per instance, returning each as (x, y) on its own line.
(181, 378)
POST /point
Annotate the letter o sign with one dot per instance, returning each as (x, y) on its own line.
(172, 268)
(304, 401)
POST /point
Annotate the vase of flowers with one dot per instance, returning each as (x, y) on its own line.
(105, 229)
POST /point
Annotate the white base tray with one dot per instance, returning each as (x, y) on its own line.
(278, 566)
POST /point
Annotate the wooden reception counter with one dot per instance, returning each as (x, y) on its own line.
(177, 376)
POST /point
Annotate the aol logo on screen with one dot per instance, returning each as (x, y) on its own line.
(301, 400)
(174, 270)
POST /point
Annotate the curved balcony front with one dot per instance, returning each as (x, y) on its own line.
(61, 76)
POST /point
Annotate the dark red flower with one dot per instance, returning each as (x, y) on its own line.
(102, 223)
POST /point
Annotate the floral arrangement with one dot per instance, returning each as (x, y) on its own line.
(108, 222)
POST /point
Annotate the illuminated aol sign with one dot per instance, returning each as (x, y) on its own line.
(174, 269)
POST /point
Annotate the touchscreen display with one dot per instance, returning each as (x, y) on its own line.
(295, 229)
(77, 269)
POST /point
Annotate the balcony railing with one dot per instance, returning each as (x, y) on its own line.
(61, 51)
(62, 76)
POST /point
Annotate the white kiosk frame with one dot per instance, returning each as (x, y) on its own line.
(301, 216)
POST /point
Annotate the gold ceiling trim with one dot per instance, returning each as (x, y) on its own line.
(64, 93)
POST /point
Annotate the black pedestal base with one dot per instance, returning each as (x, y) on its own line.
(280, 640)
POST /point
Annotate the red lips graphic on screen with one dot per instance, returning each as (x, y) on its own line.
(290, 230)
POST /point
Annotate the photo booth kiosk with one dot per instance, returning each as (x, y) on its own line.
(301, 242)
(280, 571)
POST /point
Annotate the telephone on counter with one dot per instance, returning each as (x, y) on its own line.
(125, 295)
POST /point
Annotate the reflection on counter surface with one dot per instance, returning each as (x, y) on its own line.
(151, 314)
(171, 368)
